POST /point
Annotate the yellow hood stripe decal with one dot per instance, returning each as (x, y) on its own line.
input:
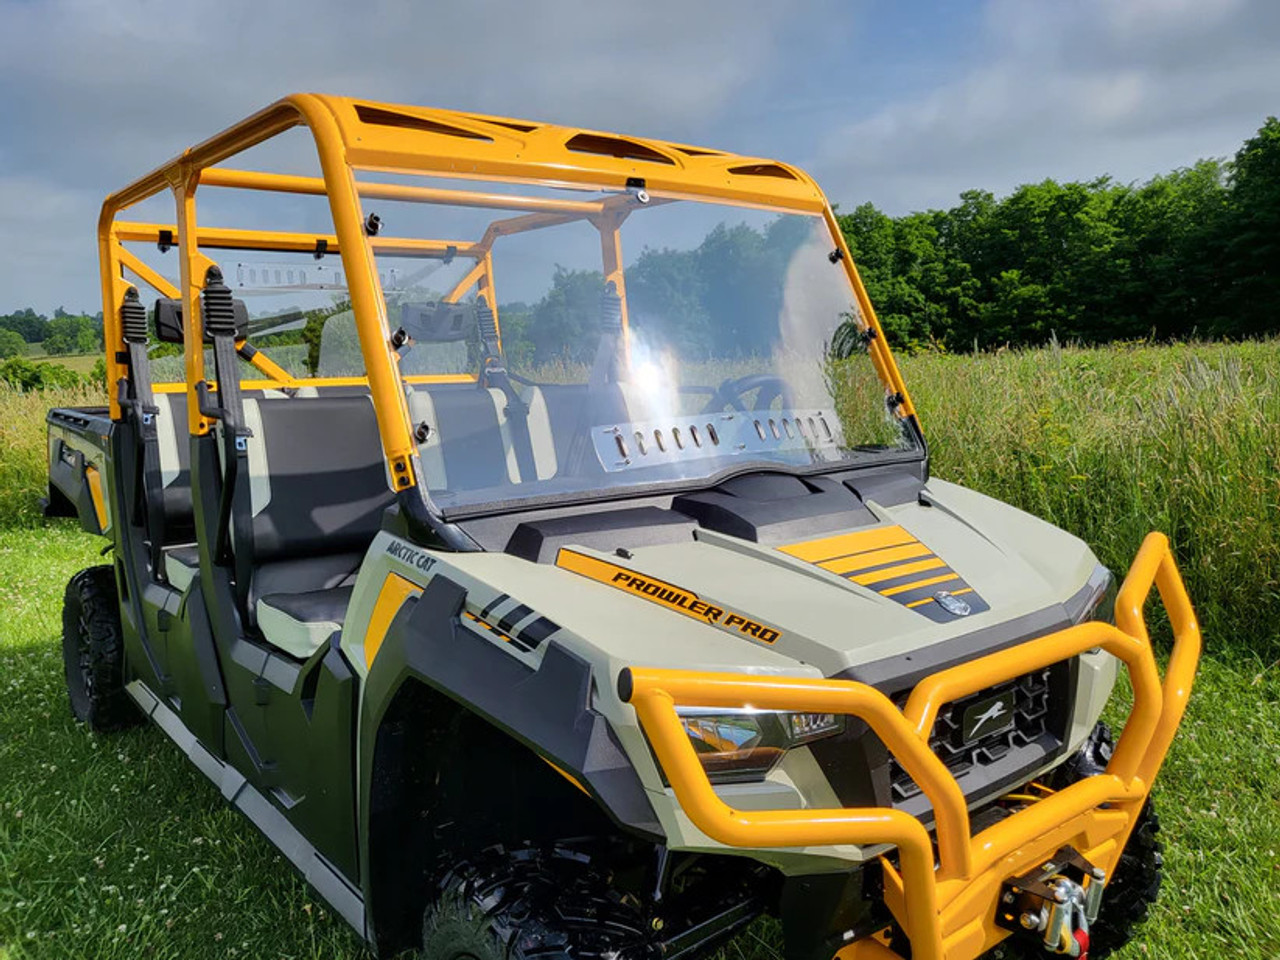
(890, 561)
(846, 544)
(861, 562)
(898, 570)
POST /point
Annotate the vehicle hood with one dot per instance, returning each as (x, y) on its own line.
(947, 564)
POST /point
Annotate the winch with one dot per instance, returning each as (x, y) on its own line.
(1055, 903)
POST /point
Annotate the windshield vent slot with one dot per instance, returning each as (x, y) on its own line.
(775, 170)
(647, 443)
(406, 121)
(604, 146)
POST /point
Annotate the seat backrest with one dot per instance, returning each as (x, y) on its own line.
(317, 478)
(564, 405)
(173, 443)
(469, 444)
(472, 436)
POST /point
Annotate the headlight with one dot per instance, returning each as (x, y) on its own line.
(740, 745)
(1101, 605)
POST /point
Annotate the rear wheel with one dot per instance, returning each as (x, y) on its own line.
(527, 903)
(1135, 884)
(93, 651)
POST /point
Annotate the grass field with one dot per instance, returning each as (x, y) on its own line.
(81, 363)
(114, 847)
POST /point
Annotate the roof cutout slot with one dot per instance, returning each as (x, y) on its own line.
(699, 152)
(406, 121)
(509, 124)
(763, 170)
(615, 147)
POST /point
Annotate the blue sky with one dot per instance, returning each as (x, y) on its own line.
(903, 104)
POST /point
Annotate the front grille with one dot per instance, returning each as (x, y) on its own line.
(1034, 725)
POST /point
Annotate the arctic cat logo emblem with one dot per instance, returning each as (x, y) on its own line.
(989, 716)
(672, 597)
(952, 604)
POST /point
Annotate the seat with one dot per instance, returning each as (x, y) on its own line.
(181, 558)
(317, 490)
(173, 444)
(181, 565)
(472, 441)
(299, 623)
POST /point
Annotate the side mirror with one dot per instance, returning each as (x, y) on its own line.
(168, 320)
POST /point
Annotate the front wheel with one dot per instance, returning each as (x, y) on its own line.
(526, 903)
(93, 651)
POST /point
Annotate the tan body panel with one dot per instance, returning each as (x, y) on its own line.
(827, 624)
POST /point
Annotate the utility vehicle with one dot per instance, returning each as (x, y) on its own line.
(529, 530)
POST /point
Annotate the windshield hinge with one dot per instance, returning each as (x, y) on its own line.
(836, 255)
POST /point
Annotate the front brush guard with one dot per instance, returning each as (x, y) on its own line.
(948, 913)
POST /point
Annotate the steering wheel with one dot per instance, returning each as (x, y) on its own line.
(729, 394)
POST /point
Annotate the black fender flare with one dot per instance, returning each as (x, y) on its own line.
(547, 709)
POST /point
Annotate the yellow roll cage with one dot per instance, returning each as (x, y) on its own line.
(355, 135)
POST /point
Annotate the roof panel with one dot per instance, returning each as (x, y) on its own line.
(447, 142)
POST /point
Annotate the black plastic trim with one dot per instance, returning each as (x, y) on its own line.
(547, 709)
(327, 880)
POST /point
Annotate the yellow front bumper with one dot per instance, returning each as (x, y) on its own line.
(949, 912)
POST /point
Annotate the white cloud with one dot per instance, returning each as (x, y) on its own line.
(1069, 90)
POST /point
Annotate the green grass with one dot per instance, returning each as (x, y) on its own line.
(116, 847)
(81, 363)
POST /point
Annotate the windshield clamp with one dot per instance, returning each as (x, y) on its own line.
(836, 255)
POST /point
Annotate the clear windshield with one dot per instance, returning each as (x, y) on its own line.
(655, 340)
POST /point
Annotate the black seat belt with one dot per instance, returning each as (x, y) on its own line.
(235, 508)
(137, 397)
(493, 373)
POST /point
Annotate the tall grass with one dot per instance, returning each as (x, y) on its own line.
(1111, 443)
(1108, 443)
(24, 471)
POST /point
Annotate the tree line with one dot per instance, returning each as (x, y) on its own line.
(1195, 252)
(61, 334)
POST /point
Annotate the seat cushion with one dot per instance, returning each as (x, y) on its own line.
(300, 623)
(181, 565)
(305, 574)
